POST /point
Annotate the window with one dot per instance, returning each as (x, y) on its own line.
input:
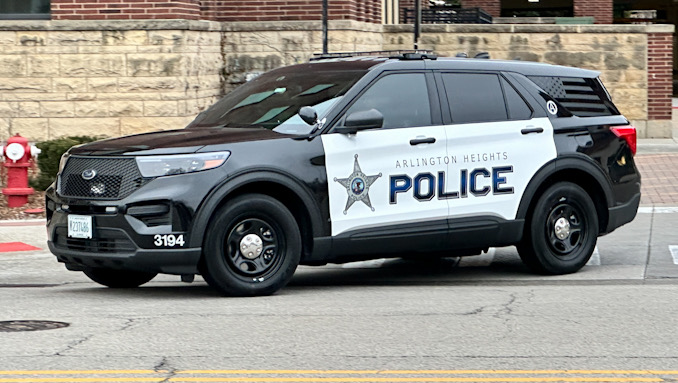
(401, 98)
(24, 9)
(524, 8)
(518, 109)
(474, 97)
(583, 97)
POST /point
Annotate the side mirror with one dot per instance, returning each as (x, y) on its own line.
(308, 114)
(368, 119)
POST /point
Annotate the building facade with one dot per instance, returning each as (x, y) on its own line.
(115, 67)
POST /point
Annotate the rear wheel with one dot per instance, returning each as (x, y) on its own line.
(561, 231)
(118, 278)
(252, 247)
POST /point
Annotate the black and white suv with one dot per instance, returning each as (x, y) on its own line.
(350, 158)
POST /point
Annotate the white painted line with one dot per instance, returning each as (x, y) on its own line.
(482, 260)
(666, 210)
(371, 264)
(657, 209)
(674, 253)
(595, 258)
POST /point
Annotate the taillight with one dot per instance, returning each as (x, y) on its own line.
(628, 133)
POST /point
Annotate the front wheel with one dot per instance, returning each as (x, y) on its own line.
(252, 247)
(119, 279)
(561, 231)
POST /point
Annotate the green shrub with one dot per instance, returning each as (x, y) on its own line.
(48, 160)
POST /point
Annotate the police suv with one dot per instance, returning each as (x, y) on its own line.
(350, 158)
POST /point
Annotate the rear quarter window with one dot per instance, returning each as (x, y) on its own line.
(583, 97)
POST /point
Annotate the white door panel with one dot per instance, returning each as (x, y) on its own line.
(368, 175)
(492, 163)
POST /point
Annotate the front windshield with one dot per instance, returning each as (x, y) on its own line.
(273, 99)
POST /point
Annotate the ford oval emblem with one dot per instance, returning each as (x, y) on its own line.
(89, 174)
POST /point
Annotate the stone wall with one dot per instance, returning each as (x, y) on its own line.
(619, 52)
(259, 47)
(60, 78)
(105, 78)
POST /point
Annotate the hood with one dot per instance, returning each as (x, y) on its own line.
(175, 141)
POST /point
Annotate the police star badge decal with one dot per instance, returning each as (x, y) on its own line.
(357, 186)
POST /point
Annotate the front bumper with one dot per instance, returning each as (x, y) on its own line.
(180, 262)
(133, 233)
(120, 241)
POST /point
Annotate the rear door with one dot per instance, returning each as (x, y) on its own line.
(495, 145)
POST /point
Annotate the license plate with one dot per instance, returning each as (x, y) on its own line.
(80, 226)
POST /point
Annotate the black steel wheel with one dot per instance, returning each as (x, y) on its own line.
(119, 279)
(252, 247)
(561, 231)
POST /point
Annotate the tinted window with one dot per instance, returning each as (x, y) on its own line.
(518, 109)
(24, 9)
(273, 99)
(583, 97)
(401, 98)
(474, 97)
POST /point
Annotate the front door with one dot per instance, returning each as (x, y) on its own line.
(389, 176)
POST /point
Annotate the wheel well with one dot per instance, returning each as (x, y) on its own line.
(583, 180)
(288, 198)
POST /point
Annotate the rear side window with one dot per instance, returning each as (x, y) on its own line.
(583, 97)
(474, 97)
(518, 109)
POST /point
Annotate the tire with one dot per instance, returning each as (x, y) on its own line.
(561, 231)
(252, 247)
(119, 279)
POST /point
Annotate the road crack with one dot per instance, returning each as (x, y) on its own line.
(164, 367)
(71, 346)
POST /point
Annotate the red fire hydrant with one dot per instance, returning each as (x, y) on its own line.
(17, 153)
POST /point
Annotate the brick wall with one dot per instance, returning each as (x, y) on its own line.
(290, 10)
(600, 9)
(659, 81)
(125, 9)
(493, 7)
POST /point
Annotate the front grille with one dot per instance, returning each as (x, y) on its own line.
(116, 178)
(106, 241)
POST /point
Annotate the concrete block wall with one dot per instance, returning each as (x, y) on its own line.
(105, 78)
(113, 78)
(259, 47)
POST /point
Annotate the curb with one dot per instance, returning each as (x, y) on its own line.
(23, 222)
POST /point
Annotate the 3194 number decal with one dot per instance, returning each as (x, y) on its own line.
(168, 240)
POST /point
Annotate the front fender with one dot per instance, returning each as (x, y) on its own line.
(232, 185)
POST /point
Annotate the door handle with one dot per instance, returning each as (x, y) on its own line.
(417, 141)
(532, 130)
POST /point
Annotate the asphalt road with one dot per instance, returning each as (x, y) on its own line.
(482, 319)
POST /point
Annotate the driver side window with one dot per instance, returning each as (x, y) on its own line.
(401, 98)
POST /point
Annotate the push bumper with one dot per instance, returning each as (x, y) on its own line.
(167, 261)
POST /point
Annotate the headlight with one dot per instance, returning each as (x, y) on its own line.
(158, 166)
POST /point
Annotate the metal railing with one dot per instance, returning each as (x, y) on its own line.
(448, 15)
